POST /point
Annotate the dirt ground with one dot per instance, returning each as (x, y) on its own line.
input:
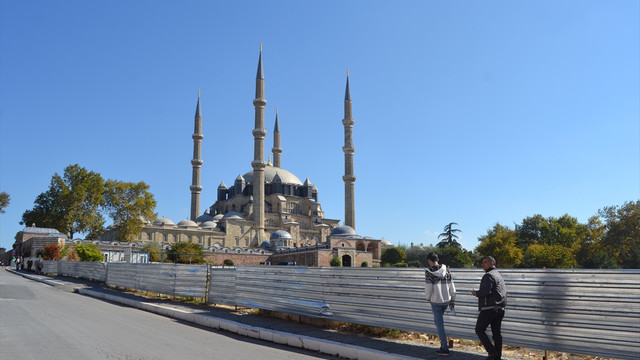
(508, 352)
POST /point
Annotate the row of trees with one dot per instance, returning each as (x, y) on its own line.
(180, 253)
(76, 201)
(610, 239)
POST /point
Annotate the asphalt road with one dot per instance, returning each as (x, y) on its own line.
(38, 321)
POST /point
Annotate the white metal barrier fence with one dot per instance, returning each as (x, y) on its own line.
(593, 312)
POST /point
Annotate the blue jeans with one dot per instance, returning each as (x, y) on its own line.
(438, 311)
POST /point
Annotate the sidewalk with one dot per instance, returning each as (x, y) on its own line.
(260, 327)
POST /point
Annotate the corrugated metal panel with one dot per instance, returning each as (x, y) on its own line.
(581, 311)
(83, 269)
(222, 286)
(169, 279)
(120, 274)
(50, 267)
(159, 278)
(191, 280)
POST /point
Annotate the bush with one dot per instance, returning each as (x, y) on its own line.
(186, 253)
(335, 261)
(393, 255)
(228, 262)
(364, 264)
(401, 264)
(88, 252)
(154, 252)
(52, 252)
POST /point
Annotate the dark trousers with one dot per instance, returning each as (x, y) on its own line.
(494, 318)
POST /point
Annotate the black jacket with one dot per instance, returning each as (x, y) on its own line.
(493, 292)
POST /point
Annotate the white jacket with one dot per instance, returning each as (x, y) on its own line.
(439, 286)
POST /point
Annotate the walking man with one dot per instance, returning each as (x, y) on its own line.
(441, 293)
(39, 265)
(492, 299)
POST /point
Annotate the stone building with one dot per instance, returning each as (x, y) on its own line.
(261, 204)
(32, 240)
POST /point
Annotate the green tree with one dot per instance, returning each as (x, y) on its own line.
(622, 237)
(530, 231)
(455, 257)
(565, 231)
(417, 256)
(4, 201)
(549, 256)
(500, 242)
(88, 252)
(154, 250)
(71, 205)
(335, 261)
(590, 254)
(393, 255)
(186, 253)
(449, 237)
(130, 205)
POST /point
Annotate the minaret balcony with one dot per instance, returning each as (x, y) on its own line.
(259, 133)
(258, 164)
(260, 102)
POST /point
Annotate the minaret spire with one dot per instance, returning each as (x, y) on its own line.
(348, 148)
(258, 164)
(276, 150)
(196, 163)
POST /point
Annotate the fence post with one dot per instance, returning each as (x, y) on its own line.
(106, 274)
(208, 285)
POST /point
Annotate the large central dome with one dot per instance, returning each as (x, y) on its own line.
(270, 172)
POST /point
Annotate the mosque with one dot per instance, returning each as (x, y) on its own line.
(269, 207)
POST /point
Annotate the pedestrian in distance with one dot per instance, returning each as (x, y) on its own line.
(29, 264)
(492, 299)
(39, 265)
(441, 293)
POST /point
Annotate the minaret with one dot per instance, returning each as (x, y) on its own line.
(349, 149)
(258, 164)
(196, 162)
(277, 150)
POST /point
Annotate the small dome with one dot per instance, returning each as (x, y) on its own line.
(163, 221)
(187, 223)
(209, 224)
(232, 215)
(265, 244)
(385, 242)
(280, 234)
(343, 230)
(204, 218)
(218, 217)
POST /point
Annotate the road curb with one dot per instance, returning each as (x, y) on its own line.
(32, 277)
(300, 341)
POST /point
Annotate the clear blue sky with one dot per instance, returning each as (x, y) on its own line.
(471, 112)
